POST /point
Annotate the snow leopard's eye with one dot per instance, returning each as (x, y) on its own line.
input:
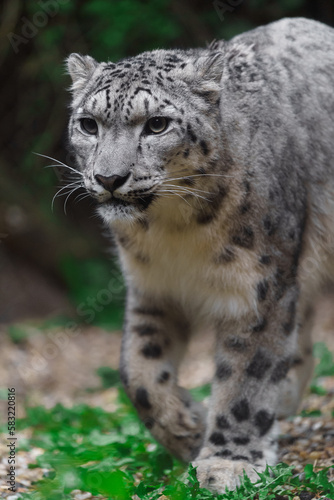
(156, 125)
(88, 126)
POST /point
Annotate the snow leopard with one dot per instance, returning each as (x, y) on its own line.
(213, 169)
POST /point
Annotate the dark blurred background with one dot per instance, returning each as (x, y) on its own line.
(51, 264)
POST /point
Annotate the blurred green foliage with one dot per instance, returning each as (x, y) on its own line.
(17, 334)
(325, 366)
(117, 27)
(34, 112)
(199, 393)
(97, 289)
(109, 377)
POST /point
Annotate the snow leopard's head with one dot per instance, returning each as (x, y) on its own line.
(145, 130)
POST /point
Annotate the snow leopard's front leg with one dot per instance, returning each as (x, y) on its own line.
(154, 339)
(252, 360)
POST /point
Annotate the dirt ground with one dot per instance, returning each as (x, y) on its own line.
(60, 364)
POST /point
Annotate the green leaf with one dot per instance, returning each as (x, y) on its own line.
(308, 470)
(317, 389)
(109, 377)
(113, 483)
(98, 439)
(310, 413)
(18, 333)
(325, 367)
(199, 393)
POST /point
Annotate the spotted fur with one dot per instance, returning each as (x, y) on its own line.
(214, 170)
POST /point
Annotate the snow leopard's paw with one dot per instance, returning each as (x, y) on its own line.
(217, 474)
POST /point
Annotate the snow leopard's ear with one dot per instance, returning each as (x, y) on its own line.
(224, 58)
(80, 68)
(211, 67)
(208, 73)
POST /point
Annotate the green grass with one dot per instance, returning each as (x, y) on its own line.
(114, 455)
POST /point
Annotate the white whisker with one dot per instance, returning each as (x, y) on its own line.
(187, 191)
(59, 162)
(198, 175)
(68, 186)
(72, 171)
(68, 196)
(81, 197)
(174, 193)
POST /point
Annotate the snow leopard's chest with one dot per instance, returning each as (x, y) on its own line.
(185, 267)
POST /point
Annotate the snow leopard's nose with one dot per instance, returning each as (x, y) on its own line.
(111, 182)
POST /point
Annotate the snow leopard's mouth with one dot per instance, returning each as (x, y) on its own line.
(116, 202)
(120, 209)
(141, 203)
